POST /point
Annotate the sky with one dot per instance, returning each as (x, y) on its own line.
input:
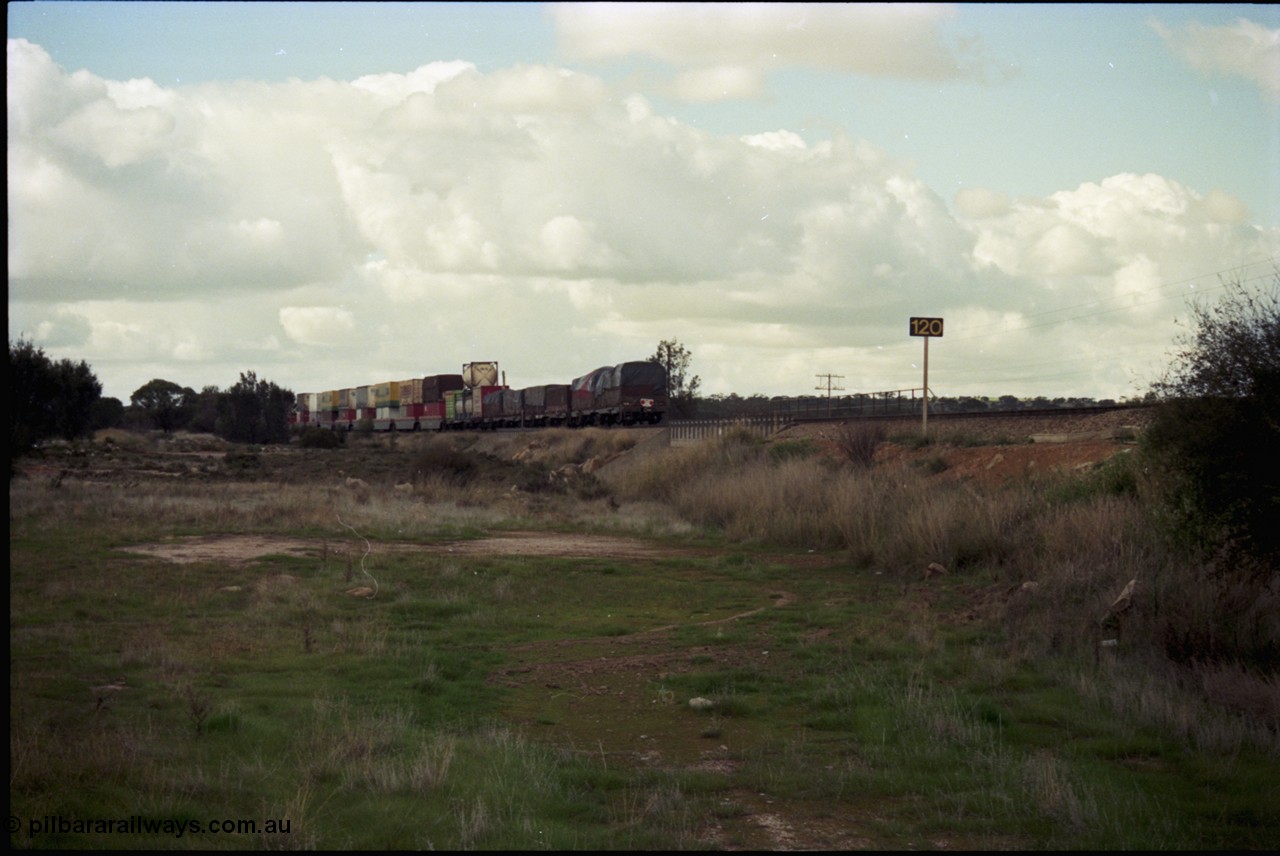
(335, 194)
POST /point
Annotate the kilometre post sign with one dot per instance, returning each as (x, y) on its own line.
(926, 326)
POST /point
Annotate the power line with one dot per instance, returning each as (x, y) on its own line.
(829, 388)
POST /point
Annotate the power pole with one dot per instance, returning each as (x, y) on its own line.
(829, 388)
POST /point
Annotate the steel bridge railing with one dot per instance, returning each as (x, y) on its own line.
(894, 402)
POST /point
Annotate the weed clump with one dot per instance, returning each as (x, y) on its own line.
(858, 441)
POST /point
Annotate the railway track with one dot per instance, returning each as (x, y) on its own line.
(1039, 413)
(993, 423)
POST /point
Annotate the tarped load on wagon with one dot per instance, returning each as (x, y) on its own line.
(642, 374)
(583, 390)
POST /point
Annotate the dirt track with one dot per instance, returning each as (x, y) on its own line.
(243, 549)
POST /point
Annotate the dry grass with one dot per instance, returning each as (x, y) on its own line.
(929, 720)
(1076, 540)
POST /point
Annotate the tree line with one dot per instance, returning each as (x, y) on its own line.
(62, 399)
(253, 410)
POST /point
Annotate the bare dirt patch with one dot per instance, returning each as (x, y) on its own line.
(226, 549)
(561, 545)
(974, 451)
(1000, 464)
(244, 549)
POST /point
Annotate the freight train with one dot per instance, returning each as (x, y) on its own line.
(626, 394)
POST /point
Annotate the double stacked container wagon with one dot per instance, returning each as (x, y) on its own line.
(625, 394)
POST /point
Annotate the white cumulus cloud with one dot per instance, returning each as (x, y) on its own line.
(328, 233)
(316, 325)
(1244, 49)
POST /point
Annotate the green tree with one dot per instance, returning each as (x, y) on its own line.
(682, 390)
(106, 413)
(254, 411)
(1217, 425)
(204, 410)
(47, 398)
(167, 405)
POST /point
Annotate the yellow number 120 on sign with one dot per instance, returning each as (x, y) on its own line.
(926, 326)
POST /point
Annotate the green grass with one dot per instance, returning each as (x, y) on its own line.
(526, 702)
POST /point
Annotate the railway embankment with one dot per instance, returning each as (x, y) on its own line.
(1026, 426)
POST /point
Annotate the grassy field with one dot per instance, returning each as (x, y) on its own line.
(403, 676)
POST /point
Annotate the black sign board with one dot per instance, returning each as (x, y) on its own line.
(926, 326)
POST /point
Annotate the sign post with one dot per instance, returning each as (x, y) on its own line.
(926, 328)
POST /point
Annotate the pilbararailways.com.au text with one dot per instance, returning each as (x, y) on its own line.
(138, 825)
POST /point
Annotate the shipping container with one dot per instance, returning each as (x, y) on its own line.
(453, 405)
(410, 392)
(435, 386)
(432, 415)
(474, 400)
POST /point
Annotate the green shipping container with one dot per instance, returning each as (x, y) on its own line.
(453, 404)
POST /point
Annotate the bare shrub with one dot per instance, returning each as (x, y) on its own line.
(1218, 611)
(858, 441)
